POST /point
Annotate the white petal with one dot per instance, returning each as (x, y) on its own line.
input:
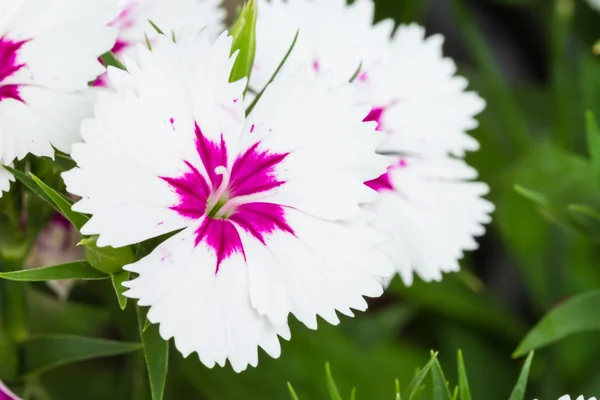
(206, 312)
(331, 151)
(322, 268)
(433, 215)
(427, 110)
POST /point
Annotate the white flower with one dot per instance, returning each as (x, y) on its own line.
(48, 54)
(567, 397)
(268, 206)
(433, 211)
(429, 203)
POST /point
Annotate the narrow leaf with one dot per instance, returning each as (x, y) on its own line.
(585, 210)
(110, 60)
(518, 392)
(577, 315)
(333, 390)
(353, 394)
(30, 184)
(156, 28)
(75, 270)
(146, 325)
(156, 352)
(47, 352)
(259, 95)
(117, 281)
(292, 392)
(593, 139)
(536, 197)
(440, 385)
(356, 73)
(62, 204)
(415, 385)
(398, 396)
(463, 382)
(243, 33)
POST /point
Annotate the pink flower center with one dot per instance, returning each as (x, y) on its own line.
(229, 200)
(8, 67)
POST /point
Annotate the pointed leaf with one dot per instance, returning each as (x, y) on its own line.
(518, 392)
(292, 392)
(75, 270)
(259, 95)
(585, 210)
(30, 184)
(117, 281)
(398, 396)
(156, 352)
(156, 28)
(62, 204)
(577, 315)
(463, 381)
(415, 385)
(47, 352)
(440, 385)
(107, 259)
(593, 138)
(243, 33)
(333, 390)
(536, 197)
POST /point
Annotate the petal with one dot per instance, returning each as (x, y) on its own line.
(206, 312)
(433, 215)
(6, 394)
(321, 268)
(330, 151)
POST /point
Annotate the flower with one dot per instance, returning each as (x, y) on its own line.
(6, 394)
(595, 4)
(428, 200)
(267, 206)
(48, 54)
(567, 397)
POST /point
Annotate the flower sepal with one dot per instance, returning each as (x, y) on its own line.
(107, 259)
(243, 33)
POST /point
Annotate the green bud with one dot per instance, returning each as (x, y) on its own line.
(106, 259)
(243, 32)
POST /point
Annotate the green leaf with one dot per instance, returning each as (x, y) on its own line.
(279, 67)
(593, 139)
(244, 41)
(355, 75)
(440, 385)
(156, 28)
(146, 325)
(107, 259)
(30, 184)
(62, 204)
(110, 60)
(398, 396)
(43, 353)
(74, 270)
(577, 315)
(536, 197)
(415, 385)
(331, 386)
(156, 352)
(117, 281)
(292, 392)
(585, 210)
(518, 392)
(463, 382)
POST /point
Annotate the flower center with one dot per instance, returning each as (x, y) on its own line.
(8, 67)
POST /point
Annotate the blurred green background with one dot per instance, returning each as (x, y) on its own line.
(532, 60)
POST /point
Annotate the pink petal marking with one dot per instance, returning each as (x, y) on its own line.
(375, 115)
(214, 198)
(6, 394)
(8, 67)
(316, 66)
(381, 184)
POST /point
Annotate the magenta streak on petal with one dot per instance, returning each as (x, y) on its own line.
(380, 184)
(254, 172)
(222, 236)
(363, 77)
(252, 128)
(261, 219)
(213, 155)
(316, 65)
(375, 115)
(8, 67)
